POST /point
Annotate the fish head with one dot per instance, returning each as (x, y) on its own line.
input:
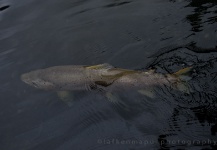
(35, 79)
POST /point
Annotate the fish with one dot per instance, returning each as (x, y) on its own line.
(103, 77)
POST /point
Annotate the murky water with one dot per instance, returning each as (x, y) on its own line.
(161, 34)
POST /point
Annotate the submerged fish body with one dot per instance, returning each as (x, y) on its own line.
(58, 78)
(104, 76)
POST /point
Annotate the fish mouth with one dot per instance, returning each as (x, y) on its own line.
(32, 80)
(25, 78)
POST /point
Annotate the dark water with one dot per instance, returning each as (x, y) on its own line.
(141, 34)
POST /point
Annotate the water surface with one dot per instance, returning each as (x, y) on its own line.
(142, 34)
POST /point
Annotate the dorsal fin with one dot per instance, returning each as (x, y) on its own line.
(100, 66)
(108, 76)
(116, 73)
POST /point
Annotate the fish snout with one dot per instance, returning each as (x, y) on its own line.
(24, 77)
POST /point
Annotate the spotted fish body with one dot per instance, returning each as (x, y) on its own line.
(103, 76)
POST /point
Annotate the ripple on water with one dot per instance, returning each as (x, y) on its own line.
(129, 34)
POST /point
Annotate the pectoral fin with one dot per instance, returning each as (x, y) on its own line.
(147, 92)
(103, 83)
(66, 97)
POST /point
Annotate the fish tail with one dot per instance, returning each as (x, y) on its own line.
(183, 76)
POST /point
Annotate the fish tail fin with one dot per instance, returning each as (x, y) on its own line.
(183, 76)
